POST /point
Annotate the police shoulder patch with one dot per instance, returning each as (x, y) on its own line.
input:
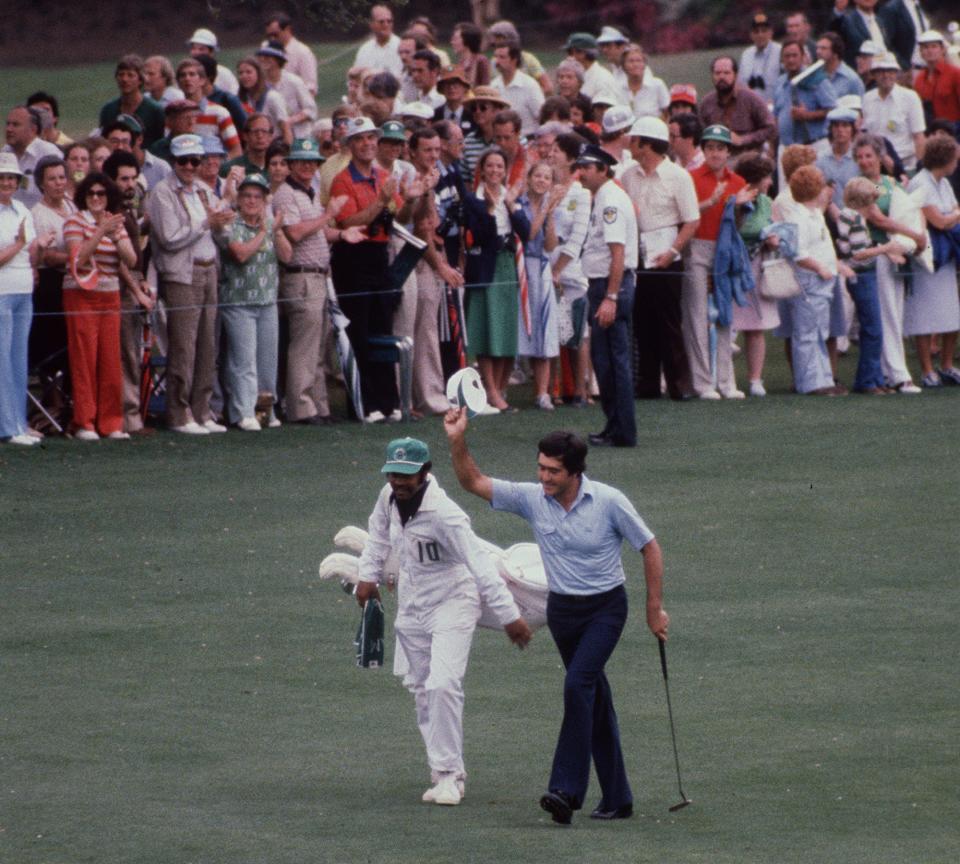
(609, 215)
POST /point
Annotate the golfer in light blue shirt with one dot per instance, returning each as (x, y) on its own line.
(580, 526)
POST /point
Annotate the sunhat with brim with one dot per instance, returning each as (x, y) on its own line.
(452, 73)
(203, 36)
(405, 456)
(186, 145)
(305, 150)
(841, 115)
(650, 127)
(885, 63)
(9, 164)
(417, 110)
(360, 126)
(486, 93)
(868, 48)
(617, 118)
(929, 36)
(717, 132)
(611, 36)
(851, 101)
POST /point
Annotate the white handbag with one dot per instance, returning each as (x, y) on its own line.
(778, 281)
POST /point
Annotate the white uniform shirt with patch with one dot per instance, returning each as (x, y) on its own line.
(612, 220)
(898, 117)
(438, 554)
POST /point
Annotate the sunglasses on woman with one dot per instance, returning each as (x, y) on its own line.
(97, 193)
(189, 160)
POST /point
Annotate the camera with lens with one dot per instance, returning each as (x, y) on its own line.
(756, 82)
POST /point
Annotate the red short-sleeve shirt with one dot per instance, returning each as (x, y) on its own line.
(705, 181)
(361, 191)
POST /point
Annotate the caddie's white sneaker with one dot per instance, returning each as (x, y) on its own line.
(211, 425)
(249, 424)
(430, 796)
(446, 792)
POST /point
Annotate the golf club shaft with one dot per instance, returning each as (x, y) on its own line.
(673, 734)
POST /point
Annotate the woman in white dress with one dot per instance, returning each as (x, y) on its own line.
(571, 217)
(933, 306)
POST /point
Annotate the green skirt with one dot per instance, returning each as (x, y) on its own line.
(493, 311)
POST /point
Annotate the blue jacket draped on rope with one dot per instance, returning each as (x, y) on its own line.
(946, 245)
(732, 274)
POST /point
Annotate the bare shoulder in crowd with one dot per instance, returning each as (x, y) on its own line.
(452, 184)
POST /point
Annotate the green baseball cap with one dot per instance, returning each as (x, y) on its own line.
(580, 41)
(393, 130)
(255, 180)
(405, 456)
(717, 132)
(305, 150)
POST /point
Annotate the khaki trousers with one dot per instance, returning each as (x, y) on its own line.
(698, 265)
(191, 352)
(303, 302)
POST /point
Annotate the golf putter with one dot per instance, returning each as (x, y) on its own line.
(686, 802)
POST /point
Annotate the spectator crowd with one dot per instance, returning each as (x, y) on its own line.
(217, 252)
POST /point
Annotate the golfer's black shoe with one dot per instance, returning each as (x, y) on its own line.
(559, 805)
(600, 439)
(623, 812)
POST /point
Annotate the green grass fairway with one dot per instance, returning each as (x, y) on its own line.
(82, 90)
(177, 685)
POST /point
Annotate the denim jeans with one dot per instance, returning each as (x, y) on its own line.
(810, 316)
(251, 350)
(867, 301)
(16, 315)
(612, 356)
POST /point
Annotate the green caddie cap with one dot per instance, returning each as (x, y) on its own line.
(717, 132)
(405, 456)
(305, 150)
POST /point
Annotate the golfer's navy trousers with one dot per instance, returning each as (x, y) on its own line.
(586, 629)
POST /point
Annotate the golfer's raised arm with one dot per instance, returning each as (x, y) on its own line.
(455, 425)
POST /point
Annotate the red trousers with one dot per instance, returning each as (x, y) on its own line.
(93, 342)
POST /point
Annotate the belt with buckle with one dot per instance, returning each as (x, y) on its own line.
(297, 268)
(208, 263)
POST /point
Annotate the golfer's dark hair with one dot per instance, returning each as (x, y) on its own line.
(568, 448)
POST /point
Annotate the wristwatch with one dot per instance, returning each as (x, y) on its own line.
(612, 297)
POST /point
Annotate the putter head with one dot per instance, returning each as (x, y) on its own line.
(686, 802)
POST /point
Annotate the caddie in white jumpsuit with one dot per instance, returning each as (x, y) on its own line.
(444, 573)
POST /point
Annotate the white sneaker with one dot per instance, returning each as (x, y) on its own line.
(489, 411)
(544, 402)
(249, 424)
(733, 394)
(395, 416)
(374, 417)
(757, 388)
(119, 435)
(908, 387)
(430, 796)
(191, 428)
(86, 435)
(274, 422)
(446, 793)
(709, 395)
(211, 425)
(25, 440)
